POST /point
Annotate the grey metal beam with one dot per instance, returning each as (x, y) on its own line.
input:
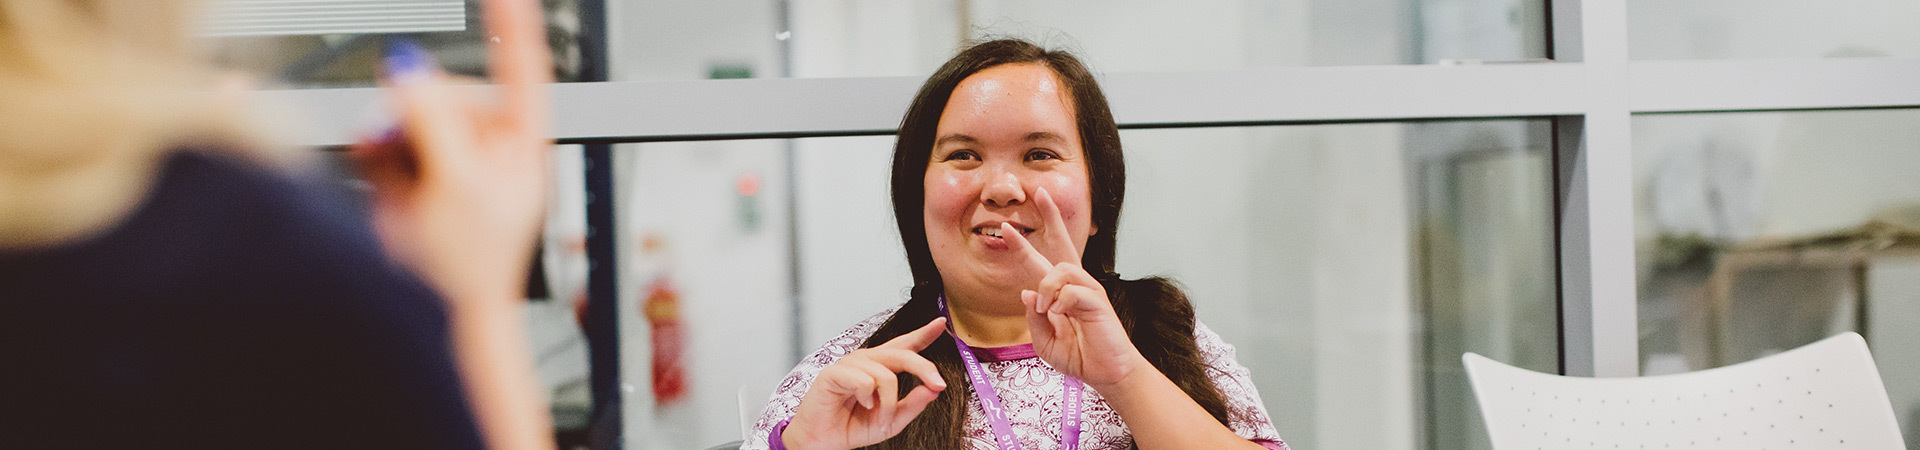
(1782, 84)
(709, 109)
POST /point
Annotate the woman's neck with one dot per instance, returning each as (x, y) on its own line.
(988, 321)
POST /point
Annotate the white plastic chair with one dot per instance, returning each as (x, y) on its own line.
(1825, 395)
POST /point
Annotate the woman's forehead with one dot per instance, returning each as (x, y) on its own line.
(1009, 103)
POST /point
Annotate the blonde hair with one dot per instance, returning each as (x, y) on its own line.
(92, 92)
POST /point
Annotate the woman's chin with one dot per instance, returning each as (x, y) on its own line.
(1006, 279)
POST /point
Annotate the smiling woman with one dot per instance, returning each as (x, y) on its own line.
(1008, 129)
(1007, 186)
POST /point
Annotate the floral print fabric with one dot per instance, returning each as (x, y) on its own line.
(1030, 389)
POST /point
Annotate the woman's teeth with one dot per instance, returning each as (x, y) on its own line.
(995, 231)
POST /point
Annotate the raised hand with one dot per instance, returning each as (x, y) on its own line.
(458, 193)
(855, 402)
(1072, 321)
(459, 189)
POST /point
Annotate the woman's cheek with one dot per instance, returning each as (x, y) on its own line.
(1071, 196)
(948, 195)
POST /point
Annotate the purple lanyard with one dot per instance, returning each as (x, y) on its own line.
(990, 398)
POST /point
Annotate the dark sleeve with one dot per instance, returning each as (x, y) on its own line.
(371, 339)
(380, 366)
(237, 308)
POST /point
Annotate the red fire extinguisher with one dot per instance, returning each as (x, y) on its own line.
(662, 308)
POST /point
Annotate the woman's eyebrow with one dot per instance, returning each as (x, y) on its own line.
(1039, 136)
(955, 138)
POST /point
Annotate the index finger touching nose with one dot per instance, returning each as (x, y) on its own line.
(917, 340)
(518, 57)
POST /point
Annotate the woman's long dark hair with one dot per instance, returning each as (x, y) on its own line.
(1156, 314)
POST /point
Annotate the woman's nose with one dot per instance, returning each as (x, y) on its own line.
(1004, 189)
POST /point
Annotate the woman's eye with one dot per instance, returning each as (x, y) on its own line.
(962, 155)
(1041, 155)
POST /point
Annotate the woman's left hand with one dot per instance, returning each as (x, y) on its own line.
(1073, 323)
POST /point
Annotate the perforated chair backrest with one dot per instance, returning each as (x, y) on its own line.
(1825, 395)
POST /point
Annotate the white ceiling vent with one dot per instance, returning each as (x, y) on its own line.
(298, 17)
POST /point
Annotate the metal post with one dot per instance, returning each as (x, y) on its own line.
(1593, 186)
(796, 330)
(603, 288)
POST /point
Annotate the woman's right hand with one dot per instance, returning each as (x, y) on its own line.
(459, 190)
(854, 403)
(458, 197)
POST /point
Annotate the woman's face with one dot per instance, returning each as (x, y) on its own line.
(1007, 132)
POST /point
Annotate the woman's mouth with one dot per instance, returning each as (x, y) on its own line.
(994, 238)
(995, 230)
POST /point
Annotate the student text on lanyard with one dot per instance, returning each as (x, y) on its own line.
(990, 398)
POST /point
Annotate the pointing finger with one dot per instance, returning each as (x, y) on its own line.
(1036, 262)
(1062, 242)
(918, 339)
(519, 59)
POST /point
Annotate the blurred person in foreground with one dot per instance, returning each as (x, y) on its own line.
(165, 285)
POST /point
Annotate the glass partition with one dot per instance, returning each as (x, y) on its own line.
(671, 40)
(1761, 232)
(675, 40)
(1349, 264)
(1735, 29)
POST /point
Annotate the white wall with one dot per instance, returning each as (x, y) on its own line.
(730, 274)
(872, 38)
(681, 40)
(1293, 243)
(851, 264)
(733, 283)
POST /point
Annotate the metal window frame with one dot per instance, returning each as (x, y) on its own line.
(652, 111)
(1591, 90)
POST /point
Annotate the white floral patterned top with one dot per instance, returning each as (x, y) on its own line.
(1030, 389)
